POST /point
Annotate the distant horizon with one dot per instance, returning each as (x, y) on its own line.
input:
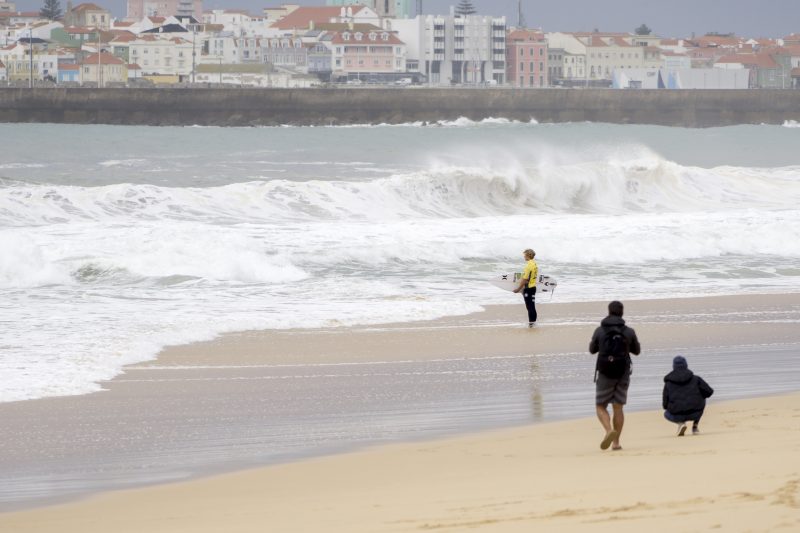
(772, 18)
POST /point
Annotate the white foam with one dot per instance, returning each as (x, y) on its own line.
(495, 183)
(791, 124)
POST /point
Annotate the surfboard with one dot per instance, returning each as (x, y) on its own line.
(510, 281)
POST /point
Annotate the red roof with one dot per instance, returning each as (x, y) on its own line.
(104, 59)
(124, 37)
(93, 7)
(134, 66)
(303, 16)
(69, 66)
(79, 29)
(750, 60)
(525, 35)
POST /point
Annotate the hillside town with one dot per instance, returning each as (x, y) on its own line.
(365, 43)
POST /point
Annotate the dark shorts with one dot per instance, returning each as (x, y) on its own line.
(610, 390)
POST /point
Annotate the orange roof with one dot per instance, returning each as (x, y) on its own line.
(84, 7)
(79, 29)
(69, 66)
(122, 23)
(303, 16)
(717, 40)
(157, 20)
(750, 60)
(134, 66)
(670, 42)
(124, 37)
(525, 35)
(104, 59)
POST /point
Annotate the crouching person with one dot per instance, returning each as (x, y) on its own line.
(684, 396)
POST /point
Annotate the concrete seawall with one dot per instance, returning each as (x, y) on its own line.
(246, 107)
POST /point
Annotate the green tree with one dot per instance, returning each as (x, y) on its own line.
(643, 30)
(51, 10)
(465, 7)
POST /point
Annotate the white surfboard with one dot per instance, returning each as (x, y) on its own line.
(511, 280)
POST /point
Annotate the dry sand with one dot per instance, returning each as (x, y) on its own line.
(741, 474)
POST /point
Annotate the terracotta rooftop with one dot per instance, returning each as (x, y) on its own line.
(750, 60)
(302, 17)
(104, 59)
(525, 35)
(88, 6)
(69, 66)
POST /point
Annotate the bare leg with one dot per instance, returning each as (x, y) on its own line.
(602, 415)
(619, 421)
(605, 420)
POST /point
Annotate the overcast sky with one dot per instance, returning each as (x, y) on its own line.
(668, 18)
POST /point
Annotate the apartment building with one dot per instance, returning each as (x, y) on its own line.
(527, 59)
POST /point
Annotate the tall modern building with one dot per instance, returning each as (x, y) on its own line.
(384, 8)
(138, 9)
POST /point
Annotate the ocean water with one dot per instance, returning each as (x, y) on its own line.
(117, 241)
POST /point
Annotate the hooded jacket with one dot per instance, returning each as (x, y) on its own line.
(684, 392)
(613, 321)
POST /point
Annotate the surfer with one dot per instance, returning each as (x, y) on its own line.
(528, 285)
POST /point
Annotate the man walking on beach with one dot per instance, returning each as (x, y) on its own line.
(613, 341)
(527, 285)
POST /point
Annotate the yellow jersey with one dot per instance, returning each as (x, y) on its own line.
(531, 272)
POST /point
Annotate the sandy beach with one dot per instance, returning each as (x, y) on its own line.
(740, 474)
(363, 429)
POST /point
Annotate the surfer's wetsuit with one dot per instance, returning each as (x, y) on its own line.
(531, 272)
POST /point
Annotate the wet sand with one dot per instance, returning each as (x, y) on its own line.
(740, 474)
(258, 398)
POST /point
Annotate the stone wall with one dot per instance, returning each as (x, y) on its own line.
(243, 107)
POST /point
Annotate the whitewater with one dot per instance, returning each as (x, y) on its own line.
(118, 241)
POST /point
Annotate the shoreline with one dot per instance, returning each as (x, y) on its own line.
(503, 480)
(254, 398)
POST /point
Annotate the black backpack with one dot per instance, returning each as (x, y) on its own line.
(613, 360)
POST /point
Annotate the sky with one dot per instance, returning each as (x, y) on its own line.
(667, 18)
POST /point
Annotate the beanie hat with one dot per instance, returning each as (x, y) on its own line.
(679, 363)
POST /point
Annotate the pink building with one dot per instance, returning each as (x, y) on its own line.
(526, 59)
(138, 9)
(367, 51)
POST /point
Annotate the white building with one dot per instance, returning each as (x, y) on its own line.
(161, 55)
(572, 54)
(685, 78)
(452, 50)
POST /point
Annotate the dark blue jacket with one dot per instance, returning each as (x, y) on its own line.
(684, 392)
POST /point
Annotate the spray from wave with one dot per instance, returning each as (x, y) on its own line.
(475, 183)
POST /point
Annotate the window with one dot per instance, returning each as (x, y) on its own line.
(521, 52)
(531, 65)
(532, 81)
(541, 66)
(522, 81)
(521, 66)
(541, 52)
